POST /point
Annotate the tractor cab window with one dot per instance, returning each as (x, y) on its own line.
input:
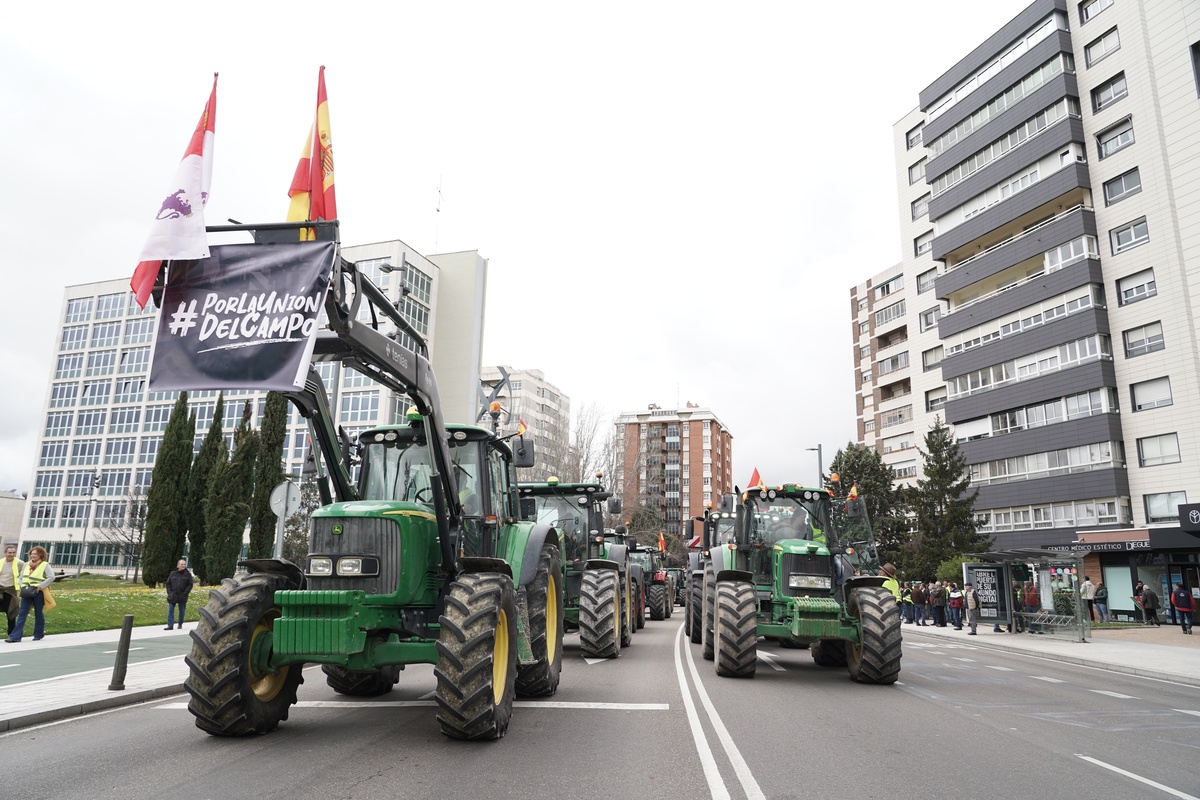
(498, 483)
(464, 461)
(397, 468)
(772, 520)
(567, 517)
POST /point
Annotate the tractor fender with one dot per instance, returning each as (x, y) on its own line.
(601, 563)
(635, 572)
(533, 550)
(735, 575)
(276, 566)
(695, 562)
(858, 581)
(484, 564)
(619, 554)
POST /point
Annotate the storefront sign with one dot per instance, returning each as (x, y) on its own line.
(1189, 517)
(991, 582)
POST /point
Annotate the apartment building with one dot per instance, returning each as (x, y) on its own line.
(1050, 209)
(525, 394)
(101, 427)
(674, 460)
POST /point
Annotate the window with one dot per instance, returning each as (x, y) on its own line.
(1155, 450)
(1151, 394)
(68, 367)
(866, 376)
(1135, 287)
(929, 319)
(1164, 507)
(932, 357)
(124, 420)
(120, 451)
(1116, 138)
(106, 334)
(115, 482)
(58, 423)
(885, 315)
(1109, 92)
(148, 451)
(916, 172)
(1090, 8)
(156, 418)
(136, 359)
(139, 331)
(913, 138)
(95, 393)
(110, 305)
(1106, 45)
(54, 454)
(887, 287)
(926, 280)
(920, 206)
(1122, 186)
(935, 399)
(923, 244)
(1144, 339)
(1129, 236)
(863, 327)
(128, 390)
(62, 395)
(864, 351)
(78, 310)
(85, 452)
(360, 406)
(41, 515)
(101, 363)
(74, 338)
(48, 484)
(90, 423)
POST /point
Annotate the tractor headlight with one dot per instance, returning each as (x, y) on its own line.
(349, 566)
(808, 581)
(320, 566)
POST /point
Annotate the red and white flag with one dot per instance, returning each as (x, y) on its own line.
(178, 229)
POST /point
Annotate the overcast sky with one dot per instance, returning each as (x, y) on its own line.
(674, 198)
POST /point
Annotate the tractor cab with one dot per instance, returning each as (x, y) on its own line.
(784, 538)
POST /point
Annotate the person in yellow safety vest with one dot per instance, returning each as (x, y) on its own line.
(36, 574)
(888, 571)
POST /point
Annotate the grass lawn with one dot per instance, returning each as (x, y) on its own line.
(93, 602)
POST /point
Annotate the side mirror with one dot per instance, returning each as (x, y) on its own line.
(614, 505)
(688, 526)
(852, 509)
(522, 453)
(620, 529)
(728, 503)
(528, 508)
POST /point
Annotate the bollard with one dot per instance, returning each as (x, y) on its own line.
(118, 677)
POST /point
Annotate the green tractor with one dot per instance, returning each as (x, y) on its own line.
(658, 582)
(598, 597)
(422, 559)
(716, 527)
(787, 575)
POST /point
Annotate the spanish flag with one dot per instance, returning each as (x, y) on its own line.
(521, 427)
(755, 481)
(312, 191)
(854, 491)
(662, 543)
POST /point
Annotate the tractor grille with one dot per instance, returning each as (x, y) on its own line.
(804, 564)
(366, 536)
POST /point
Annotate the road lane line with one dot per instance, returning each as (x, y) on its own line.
(1185, 711)
(6, 666)
(1114, 694)
(1147, 781)
(740, 767)
(428, 695)
(110, 652)
(89, 672)
(961, 658)
(770, 659)
(1001, 669)
(591, 661)
(716, 786)
(431, 703)
(1047, 680)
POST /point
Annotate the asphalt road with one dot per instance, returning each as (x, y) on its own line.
(658, 723)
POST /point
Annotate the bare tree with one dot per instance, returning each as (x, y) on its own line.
(585, 454)
(128, 531)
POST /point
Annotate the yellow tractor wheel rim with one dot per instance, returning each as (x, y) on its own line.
(500, 658)
(265, 685)
(552, 618)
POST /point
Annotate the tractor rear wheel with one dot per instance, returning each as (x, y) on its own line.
(695, 612)
(736, 629)
(629, 618)
(545, 628)
(477, 657)
(600, 614)
(233, 694)
(668, 600)
(710, 591)
(361, 684)
(829, 652)
(639, 606)
(876, 658)
(657, 601)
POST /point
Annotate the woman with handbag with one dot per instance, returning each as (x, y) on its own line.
(36, 576)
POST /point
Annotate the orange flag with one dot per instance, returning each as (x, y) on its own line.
(521, 427)
(755, 481)
(662, 543)
(312, 190)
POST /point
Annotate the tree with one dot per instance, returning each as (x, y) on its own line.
(645, 525)
(212, 450)
(166, 502)
(128, 532)
(862, 465)
(584, 456)
(943, 506)
(227, 507)
(268, 473)
(295, 527)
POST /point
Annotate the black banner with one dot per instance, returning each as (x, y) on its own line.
(991, 584)
(244, 318)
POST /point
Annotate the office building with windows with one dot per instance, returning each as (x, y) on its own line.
(101, 426)
(674, 460)
(526, 395)
(1049, 196)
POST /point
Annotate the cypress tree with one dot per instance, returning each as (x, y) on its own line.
(268, 473)
(212, 450)
(166, 502)
(227, 507)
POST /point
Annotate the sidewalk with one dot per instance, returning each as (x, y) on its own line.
(1163, 653)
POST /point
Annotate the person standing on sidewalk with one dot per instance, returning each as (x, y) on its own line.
(937, 599)
(1184, 605)
(179, 586)
(1137, 601)
(35, 576)
(918, 603)
(1087, 590)
(1102, 601)
(956, 607)
(971, 600)
(1150, 604)
(10, 600)
(906, 602)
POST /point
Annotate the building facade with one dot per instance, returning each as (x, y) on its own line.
(674, 461)
(1050, 193)
(526, 395)
(101, 426)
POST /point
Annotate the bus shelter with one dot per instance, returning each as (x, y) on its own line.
(1004, 578)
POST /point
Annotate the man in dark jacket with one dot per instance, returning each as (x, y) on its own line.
(1184, 605)
(179, 586)
(1150, 605)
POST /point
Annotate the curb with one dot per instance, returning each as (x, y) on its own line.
(78, 709)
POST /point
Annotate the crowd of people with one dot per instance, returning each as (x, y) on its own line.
(940, 604)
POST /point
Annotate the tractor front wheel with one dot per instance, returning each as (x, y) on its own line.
(695, 612)
(600, 614)
(477, 657)
(736, 629)
(233, 691)
(545, 628)
(710, 591)
(829, 652)
(361, 684)
(657, 601)
(876, 658)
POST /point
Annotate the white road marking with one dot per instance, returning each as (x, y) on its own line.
(770, 659)
(1185, 711)
(5, 666)
(740, 767)
(962, 658)
(427, 695)
(1001, 669)
(591, 661)
(716, 786)
(1147, 781)
(1114, 694)
(1047, 680)
(110, 652)
(433, 703)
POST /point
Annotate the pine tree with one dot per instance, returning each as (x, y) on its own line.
(166, 502)
(212, 450)
(227, 507)
(268, 473)
(944, 507)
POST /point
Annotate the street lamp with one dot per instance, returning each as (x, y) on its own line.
(87, 522)
(820, 467)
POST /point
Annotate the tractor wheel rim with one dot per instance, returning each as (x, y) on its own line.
(552, 618)
(265, 685)
(500, 658)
